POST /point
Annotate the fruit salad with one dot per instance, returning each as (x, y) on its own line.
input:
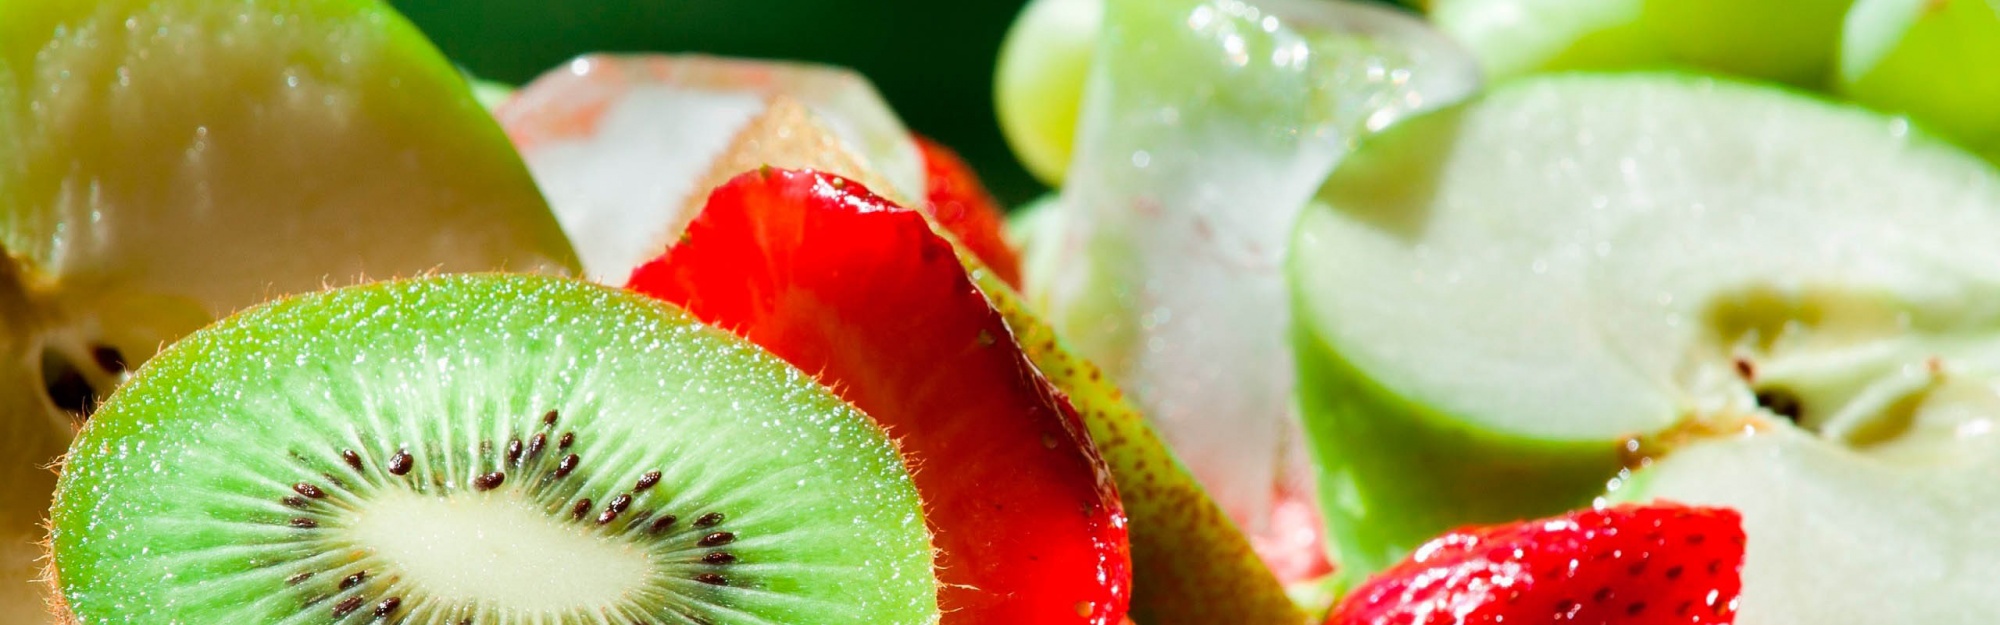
(1464, 312)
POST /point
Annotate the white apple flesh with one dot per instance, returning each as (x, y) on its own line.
(163, 163)
(1750, 297)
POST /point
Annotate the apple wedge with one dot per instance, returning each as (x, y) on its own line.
(163, 163)
(1678, 288)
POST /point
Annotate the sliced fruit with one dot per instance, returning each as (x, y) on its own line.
(1038, 84)
(840, 282)
(1189, 562)
(1915, 57)
(1917, 525)
(1206, 127)
(959, 202)
(1630, 565)
(502, 449)
(1791, 41)
(622, 143)
(1780, 304)
(1512, 38)
(166, 162)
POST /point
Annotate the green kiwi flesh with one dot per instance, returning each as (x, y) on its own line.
(483, 449)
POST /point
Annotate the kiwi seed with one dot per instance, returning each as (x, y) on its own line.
(384, 454)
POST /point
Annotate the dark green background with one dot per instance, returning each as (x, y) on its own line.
(932, 59)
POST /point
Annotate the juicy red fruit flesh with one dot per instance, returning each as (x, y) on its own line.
(963, 206)
(842, 283)
(1626, 565)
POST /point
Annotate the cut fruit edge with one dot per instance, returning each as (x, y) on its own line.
(1869, 321)
(838, 281)
(1190, 563)
(194, 207)
(119, 530)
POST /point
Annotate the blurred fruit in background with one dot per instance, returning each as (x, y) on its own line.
(932, 60)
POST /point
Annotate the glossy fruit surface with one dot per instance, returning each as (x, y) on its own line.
(166, 162)
(1191, 565)
(1625, 565)
(496, 448)
(842, 283)
(1676, 288)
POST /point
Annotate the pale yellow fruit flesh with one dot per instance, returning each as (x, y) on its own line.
(163, 163)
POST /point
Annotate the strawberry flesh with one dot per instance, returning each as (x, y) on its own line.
(963, 206)
(840, 282)
(1625, 565)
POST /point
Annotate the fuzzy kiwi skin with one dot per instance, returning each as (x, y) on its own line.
(172, 488)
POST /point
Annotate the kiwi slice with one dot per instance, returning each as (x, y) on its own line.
(483, 449)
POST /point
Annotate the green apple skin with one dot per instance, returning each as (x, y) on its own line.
(1789, 41)
(1929, 59)
(1038, 85)
(1512, 38)
(164, 163)
(1401, 459)
(1394, 473)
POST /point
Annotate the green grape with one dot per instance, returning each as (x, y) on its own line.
(1515, 37)
(1937, 61)
(1790, 41)
(1039, 83)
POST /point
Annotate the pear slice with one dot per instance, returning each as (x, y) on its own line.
(1190, 562)
(1780, 304)
(1205, 127)
(163, 163)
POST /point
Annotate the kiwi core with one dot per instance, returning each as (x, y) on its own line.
(498, 549)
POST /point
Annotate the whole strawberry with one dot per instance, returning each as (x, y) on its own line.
(1625, 565)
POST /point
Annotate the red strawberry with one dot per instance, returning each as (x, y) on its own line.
(962, 205)
(840, 282)
(1627, 565)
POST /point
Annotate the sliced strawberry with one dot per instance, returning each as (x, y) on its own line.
(961, 204)
(840, 282)
(1628, 565)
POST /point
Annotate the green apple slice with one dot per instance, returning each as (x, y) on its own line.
(1504, 304)
(1923, 530)
(163, 163)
